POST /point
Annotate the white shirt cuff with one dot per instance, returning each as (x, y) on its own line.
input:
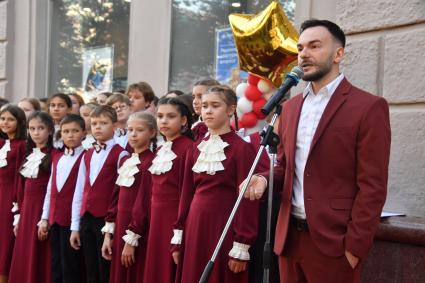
(240, 251)
(75, 226)
(15, 207)
(131, 238)
(108, 228)
(16, 219)
(177, 238)
(45, 215)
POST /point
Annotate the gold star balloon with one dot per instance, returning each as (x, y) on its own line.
(266, 43)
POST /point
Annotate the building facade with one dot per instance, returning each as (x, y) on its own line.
(384, 55)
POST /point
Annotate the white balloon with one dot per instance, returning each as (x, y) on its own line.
(240, 89)
(244, 105)
(264, 86)
(238, 112)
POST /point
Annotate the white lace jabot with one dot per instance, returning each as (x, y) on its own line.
(87, 143)
(3, 153)
(33, 161)
(211, 155)
(128, 170)
(163, 160)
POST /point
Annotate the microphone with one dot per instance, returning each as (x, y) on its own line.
(291, 80)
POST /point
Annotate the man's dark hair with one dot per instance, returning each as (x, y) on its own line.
(333, 28)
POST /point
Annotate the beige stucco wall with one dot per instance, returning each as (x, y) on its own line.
(3, 43)
(385, 56)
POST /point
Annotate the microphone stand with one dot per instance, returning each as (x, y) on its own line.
(272, 140)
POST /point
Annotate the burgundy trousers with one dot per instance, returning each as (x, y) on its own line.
(301, 261)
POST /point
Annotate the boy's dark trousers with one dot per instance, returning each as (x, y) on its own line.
(66, 262)
(97, 268)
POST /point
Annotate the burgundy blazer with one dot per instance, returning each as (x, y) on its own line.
(345, 178)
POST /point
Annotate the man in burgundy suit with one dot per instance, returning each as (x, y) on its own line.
(332, 166)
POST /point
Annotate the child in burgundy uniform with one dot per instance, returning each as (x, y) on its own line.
(174, 121)
(122, 105)
(12, 153)
(215, 169)
(85, 111)
(58, 201)
(135, 185)
(141, 96)
(198, 128)
(31, 257)
(94, 192)
(59, 105)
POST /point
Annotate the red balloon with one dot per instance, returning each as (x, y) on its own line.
(256, 107)
(253, 93)
(253, 79)
(249, 120)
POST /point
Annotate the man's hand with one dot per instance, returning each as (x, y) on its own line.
(352, 259)
(256, 188)
(74, 240)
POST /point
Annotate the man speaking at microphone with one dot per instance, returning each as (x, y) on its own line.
(332, 166)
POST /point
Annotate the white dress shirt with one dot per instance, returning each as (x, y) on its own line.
(63, 169)
(122, 140)
(311, 113)
(96, 164)
(57, 143)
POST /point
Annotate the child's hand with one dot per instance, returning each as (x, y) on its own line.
(107, 247)
(127, 256)
(43, 230)
(237, 266)
(15, 230)
(176, 257)
(74, 240)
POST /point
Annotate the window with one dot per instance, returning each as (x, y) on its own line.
(89, 46)
(194, 26)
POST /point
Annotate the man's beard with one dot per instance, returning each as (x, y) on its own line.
(322, 70)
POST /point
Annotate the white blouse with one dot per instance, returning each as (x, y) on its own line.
(87, 143)
(211, 155)
(3, 153)
(127, 171)
(163, 160)
(32, 164)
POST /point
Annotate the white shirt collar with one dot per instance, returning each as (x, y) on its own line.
(78, 150)
(329, 89)
(110, 143)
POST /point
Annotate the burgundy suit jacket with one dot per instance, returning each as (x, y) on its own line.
(345, 178)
